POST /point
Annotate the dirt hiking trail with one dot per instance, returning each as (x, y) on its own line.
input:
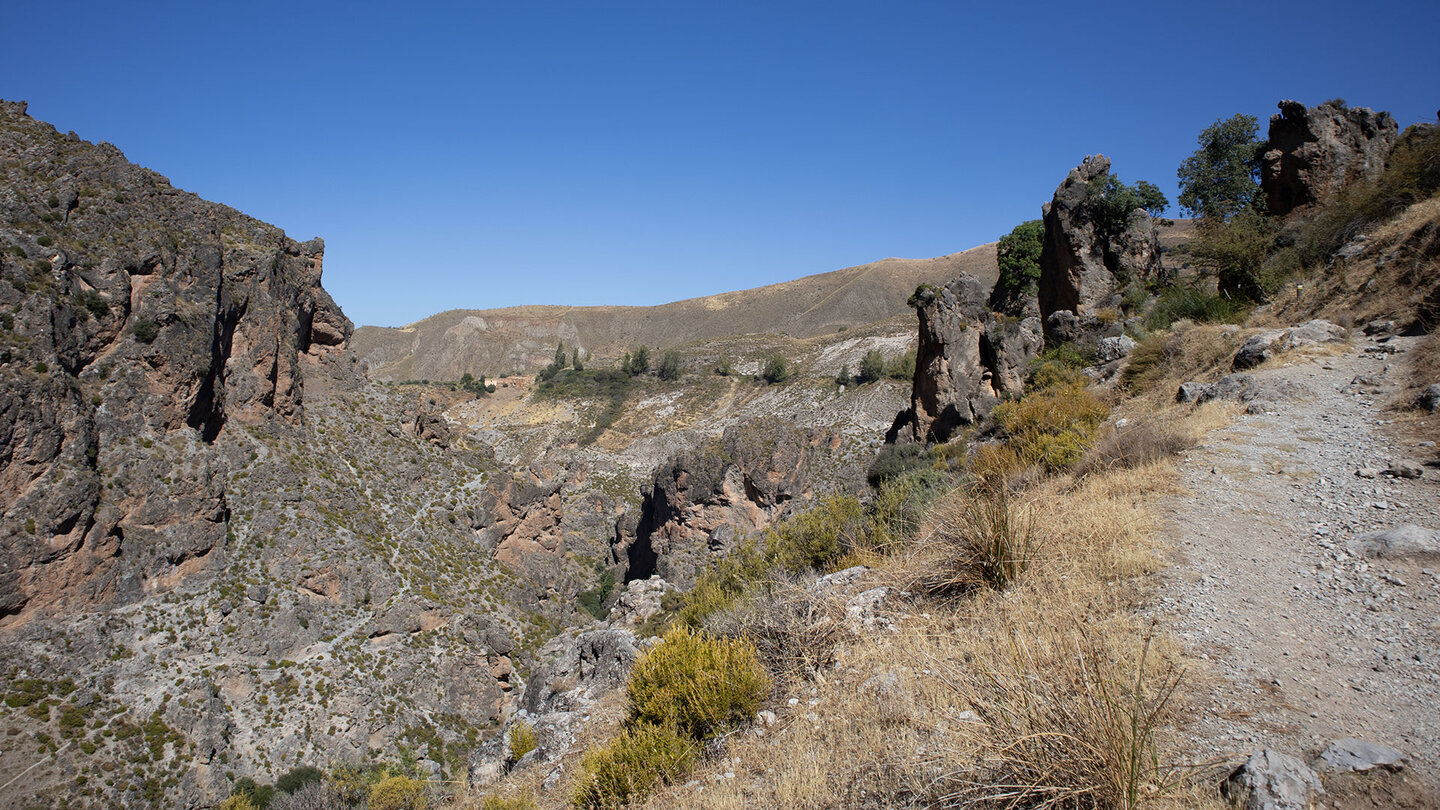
(1306, 638)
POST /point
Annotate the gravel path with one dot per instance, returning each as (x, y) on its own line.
(1306, 641)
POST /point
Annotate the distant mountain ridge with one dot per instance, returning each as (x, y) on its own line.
(519, 339)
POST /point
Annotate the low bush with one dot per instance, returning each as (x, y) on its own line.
(145, 329)
(699, 685)
(627, 769)
(794, 628)
(312, 796)
(776, 370)
(397, 792)
(894, 460)
(1052, 427)
(1193, 304)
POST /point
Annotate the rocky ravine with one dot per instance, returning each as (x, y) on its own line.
(1314, 633)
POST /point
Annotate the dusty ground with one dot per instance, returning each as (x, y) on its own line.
(1301, 641)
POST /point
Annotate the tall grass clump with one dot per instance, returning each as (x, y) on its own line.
(979, 539)
(1081, 736)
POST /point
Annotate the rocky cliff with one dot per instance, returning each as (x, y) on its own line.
(1313, 152)
(136, 313)
(1086, 262)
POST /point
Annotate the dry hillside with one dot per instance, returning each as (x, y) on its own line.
(447, 345)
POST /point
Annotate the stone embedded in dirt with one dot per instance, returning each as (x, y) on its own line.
(1367, 472)
(1263, 346)
(1403, 541)
(1429, 399)
(1379, 327)
(1114, 348)
(1271, 780)
(1405, 468)
(1357, 755)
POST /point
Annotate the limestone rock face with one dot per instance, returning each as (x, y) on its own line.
(142, 322)
(1082, 267)
(967, 360)
(1316, 151)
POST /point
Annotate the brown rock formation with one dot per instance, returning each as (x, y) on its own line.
(142, 320)
(1083, 266)
(1314, 152)
(967, 360)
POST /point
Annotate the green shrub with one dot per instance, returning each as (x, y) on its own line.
(397, 793)
(669, 369)
(872, 367)
(776, 370)
(145, 329)
(236, 802)
(299, 777)
(352, 781)
(894, 460)
(700, 686)
(522, 740)
(44, 241)
(593, 600)
(1236, 251)
(631, 766)
(1050, 428)
(1017, 256)
(819, 536)
(1192, 304)
(903, 367)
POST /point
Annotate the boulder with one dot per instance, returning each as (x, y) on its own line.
(1259, 348)
(1429, 399)
(1271, 780)
(1314, 152)
(1343, 756)
(1084, 267)
(1114, 348)
(1405, 468)
(1402, 541)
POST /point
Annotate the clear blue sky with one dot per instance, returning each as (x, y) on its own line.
(490, 154)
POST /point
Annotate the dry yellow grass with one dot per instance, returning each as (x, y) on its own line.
(1048, 691)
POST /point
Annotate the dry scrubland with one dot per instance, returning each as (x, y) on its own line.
(1008, 665)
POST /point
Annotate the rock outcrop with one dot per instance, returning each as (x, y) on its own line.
(141, 321)
(703, 503)
(1314, 152)
(968, 359)
(1084, 266)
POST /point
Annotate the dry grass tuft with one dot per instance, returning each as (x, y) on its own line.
(1164, 360)
(795, 629)
(1083, 735)
(978, 538)
(1144, 440)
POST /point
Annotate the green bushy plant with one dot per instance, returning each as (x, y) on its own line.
(630, 767)
(698, 685)
(397, 792)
